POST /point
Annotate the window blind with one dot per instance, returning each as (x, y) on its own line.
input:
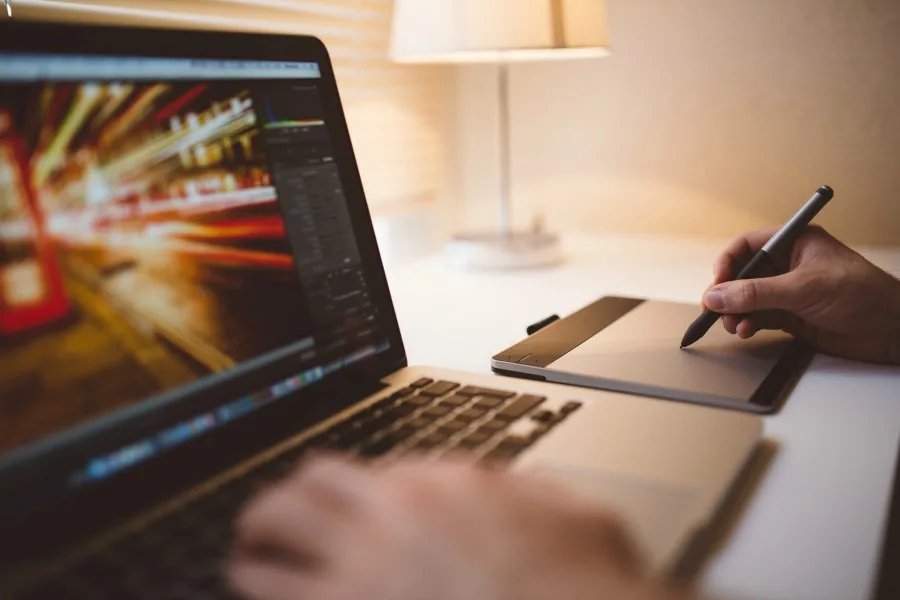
(396, 113)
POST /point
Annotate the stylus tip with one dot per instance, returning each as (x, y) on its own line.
(689, 338)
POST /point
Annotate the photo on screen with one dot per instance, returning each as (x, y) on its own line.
(142, 245)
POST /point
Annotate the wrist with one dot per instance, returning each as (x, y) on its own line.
(624, 589)
(894, 324)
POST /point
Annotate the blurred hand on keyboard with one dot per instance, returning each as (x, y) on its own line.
(443, 530)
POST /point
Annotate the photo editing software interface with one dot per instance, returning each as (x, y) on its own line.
(163, 221)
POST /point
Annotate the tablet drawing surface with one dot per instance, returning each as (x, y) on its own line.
(635, 348)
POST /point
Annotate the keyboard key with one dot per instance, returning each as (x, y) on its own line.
(403, 410)
(384, 403)
(521, 406)
(420, 400)
(458, 421)
(379, 447)
(407, 391)
(430, 441)
(403, 433)
(420, 383)
(514, 443)
(436, 411)
(439, 389)
(505, 450)
(420, 423)
(381, 422)
(340, 442)
(570, 407)
(369, 415)
(471, 390)
(544, 416)
(475, 439)
(452, 427)
(494, 425)
(455, 400)
(340, 430)
(471, 414)
(498, 454)
(488, 402)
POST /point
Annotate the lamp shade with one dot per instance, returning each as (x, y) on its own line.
(497, 30)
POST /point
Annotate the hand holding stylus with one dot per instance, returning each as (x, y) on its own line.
(819, 290)
(765, 256)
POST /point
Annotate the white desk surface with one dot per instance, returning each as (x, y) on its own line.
(813, 527)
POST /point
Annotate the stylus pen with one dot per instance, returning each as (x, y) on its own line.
(784, 238)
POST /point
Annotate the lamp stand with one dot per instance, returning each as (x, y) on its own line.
(506, 248)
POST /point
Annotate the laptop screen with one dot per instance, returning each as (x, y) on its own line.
(162, 222)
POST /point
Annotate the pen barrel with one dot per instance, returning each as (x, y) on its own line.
(705, 321)
(699, 327)
(787, 235)
(757, 266)
(708, 318)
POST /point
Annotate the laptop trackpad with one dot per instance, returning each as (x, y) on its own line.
(660, 515)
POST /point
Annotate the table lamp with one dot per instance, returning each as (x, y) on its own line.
(500, 32)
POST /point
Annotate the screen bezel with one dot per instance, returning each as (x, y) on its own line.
(122, 494)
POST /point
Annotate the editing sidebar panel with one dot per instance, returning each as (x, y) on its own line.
(317, 219)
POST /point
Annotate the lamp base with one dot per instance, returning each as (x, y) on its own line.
(505, 251)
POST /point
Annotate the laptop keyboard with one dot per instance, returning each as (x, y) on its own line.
(179, 556)
(436, 417)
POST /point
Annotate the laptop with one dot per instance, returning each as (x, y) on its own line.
(191, 297)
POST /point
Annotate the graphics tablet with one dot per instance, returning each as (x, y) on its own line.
(632, 345)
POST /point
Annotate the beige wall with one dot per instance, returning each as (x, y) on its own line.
(709, 118)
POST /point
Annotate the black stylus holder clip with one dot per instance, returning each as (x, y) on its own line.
(535, 327)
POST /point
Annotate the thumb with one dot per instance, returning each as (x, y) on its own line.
(752, 295)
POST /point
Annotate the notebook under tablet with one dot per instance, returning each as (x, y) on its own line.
(632, 345)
